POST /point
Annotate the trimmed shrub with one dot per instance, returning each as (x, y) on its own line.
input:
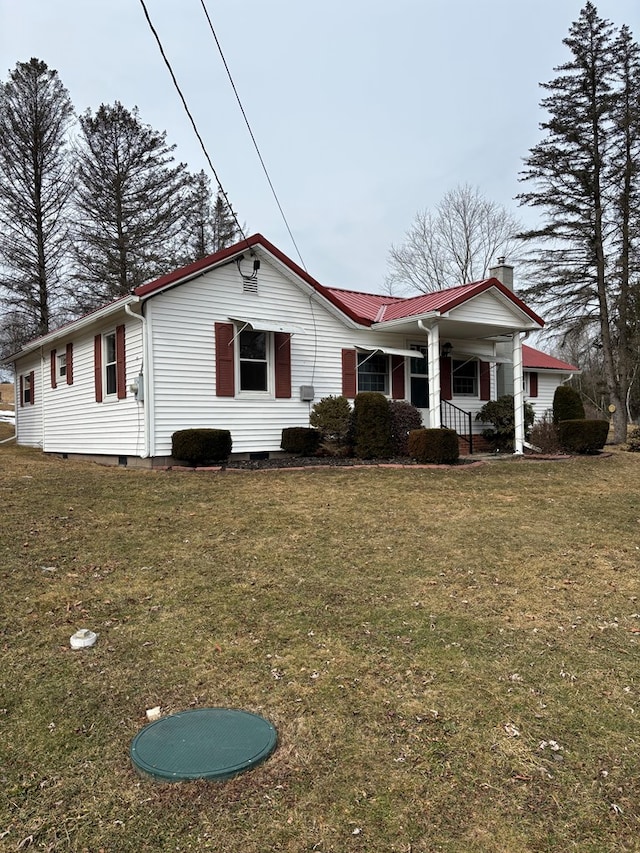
(404, 418)
(501, 414)
(372, 426)
(567, 404)
(633, 440)
(201, 445)
(434, 446)
(301, 441)
(583, 436)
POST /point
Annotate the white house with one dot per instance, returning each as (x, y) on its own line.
(246, 340)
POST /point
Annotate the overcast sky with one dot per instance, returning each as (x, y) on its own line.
(365, 111)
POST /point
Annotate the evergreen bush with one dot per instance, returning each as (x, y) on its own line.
(372, 426)
(567, 404)
(301, 441)
(201, 445)
(404, 418)
(633, 440)
(583, 436)
(501, 413)
(434, 446)
(332, 416)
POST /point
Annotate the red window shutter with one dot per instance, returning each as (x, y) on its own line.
(97, 366)
(54, 382)
(32, 383)
(397, 377)
(121, 367)
(533, 384)
(485, 380)
(69, 364)
(349, 373)
(21, 391)
(225, 365)
(445, 378)
(282, 343)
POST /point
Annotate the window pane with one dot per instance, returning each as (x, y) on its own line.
(419, 365)
(465, 378)
(253, 345)
(253, 376)
(373, 373)
(110, 348)
(110, 373)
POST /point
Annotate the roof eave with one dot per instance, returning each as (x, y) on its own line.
(74, 326)
(386, 325)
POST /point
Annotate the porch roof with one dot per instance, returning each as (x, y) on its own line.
(376, 308)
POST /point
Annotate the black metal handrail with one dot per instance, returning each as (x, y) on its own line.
(452, 417)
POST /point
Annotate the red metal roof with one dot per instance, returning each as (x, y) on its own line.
(363, 308)
(533, 359)
(378, 309)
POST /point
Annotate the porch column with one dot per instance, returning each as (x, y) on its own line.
(518, 394)
(433, 357)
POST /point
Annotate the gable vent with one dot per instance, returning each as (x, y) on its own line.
(249, 285)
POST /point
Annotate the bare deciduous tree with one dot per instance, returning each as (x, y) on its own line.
(454, 244)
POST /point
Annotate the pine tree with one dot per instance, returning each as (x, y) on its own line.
(226, 230)
(208, 226)
(577, 177)
(197, 234)
(130, 204)
(35, 182)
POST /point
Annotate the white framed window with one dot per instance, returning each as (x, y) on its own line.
(62, 366)
(27, 389)
(464, 378)
(254, 354)
(373, 372)
(109, 363)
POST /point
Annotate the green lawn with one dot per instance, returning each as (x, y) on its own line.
(450, 657)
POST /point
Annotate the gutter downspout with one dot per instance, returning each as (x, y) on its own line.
(145, 406)
(43, 417)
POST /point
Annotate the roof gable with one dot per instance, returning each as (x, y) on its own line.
(373, 308)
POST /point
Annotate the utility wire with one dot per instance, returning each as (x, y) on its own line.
(253, 139)
(191, 119)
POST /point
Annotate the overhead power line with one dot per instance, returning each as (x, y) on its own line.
(251, 134)
(191, 119)
(244, 115)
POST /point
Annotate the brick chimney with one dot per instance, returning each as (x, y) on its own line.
(503, 272)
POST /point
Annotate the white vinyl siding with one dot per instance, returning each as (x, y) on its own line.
(29, 416)
(547, 384)
(487, 307)
(182, 346)
(73, 422)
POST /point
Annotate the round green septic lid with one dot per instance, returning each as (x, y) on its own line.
(204, 743)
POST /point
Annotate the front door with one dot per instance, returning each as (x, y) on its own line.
(419, 382)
